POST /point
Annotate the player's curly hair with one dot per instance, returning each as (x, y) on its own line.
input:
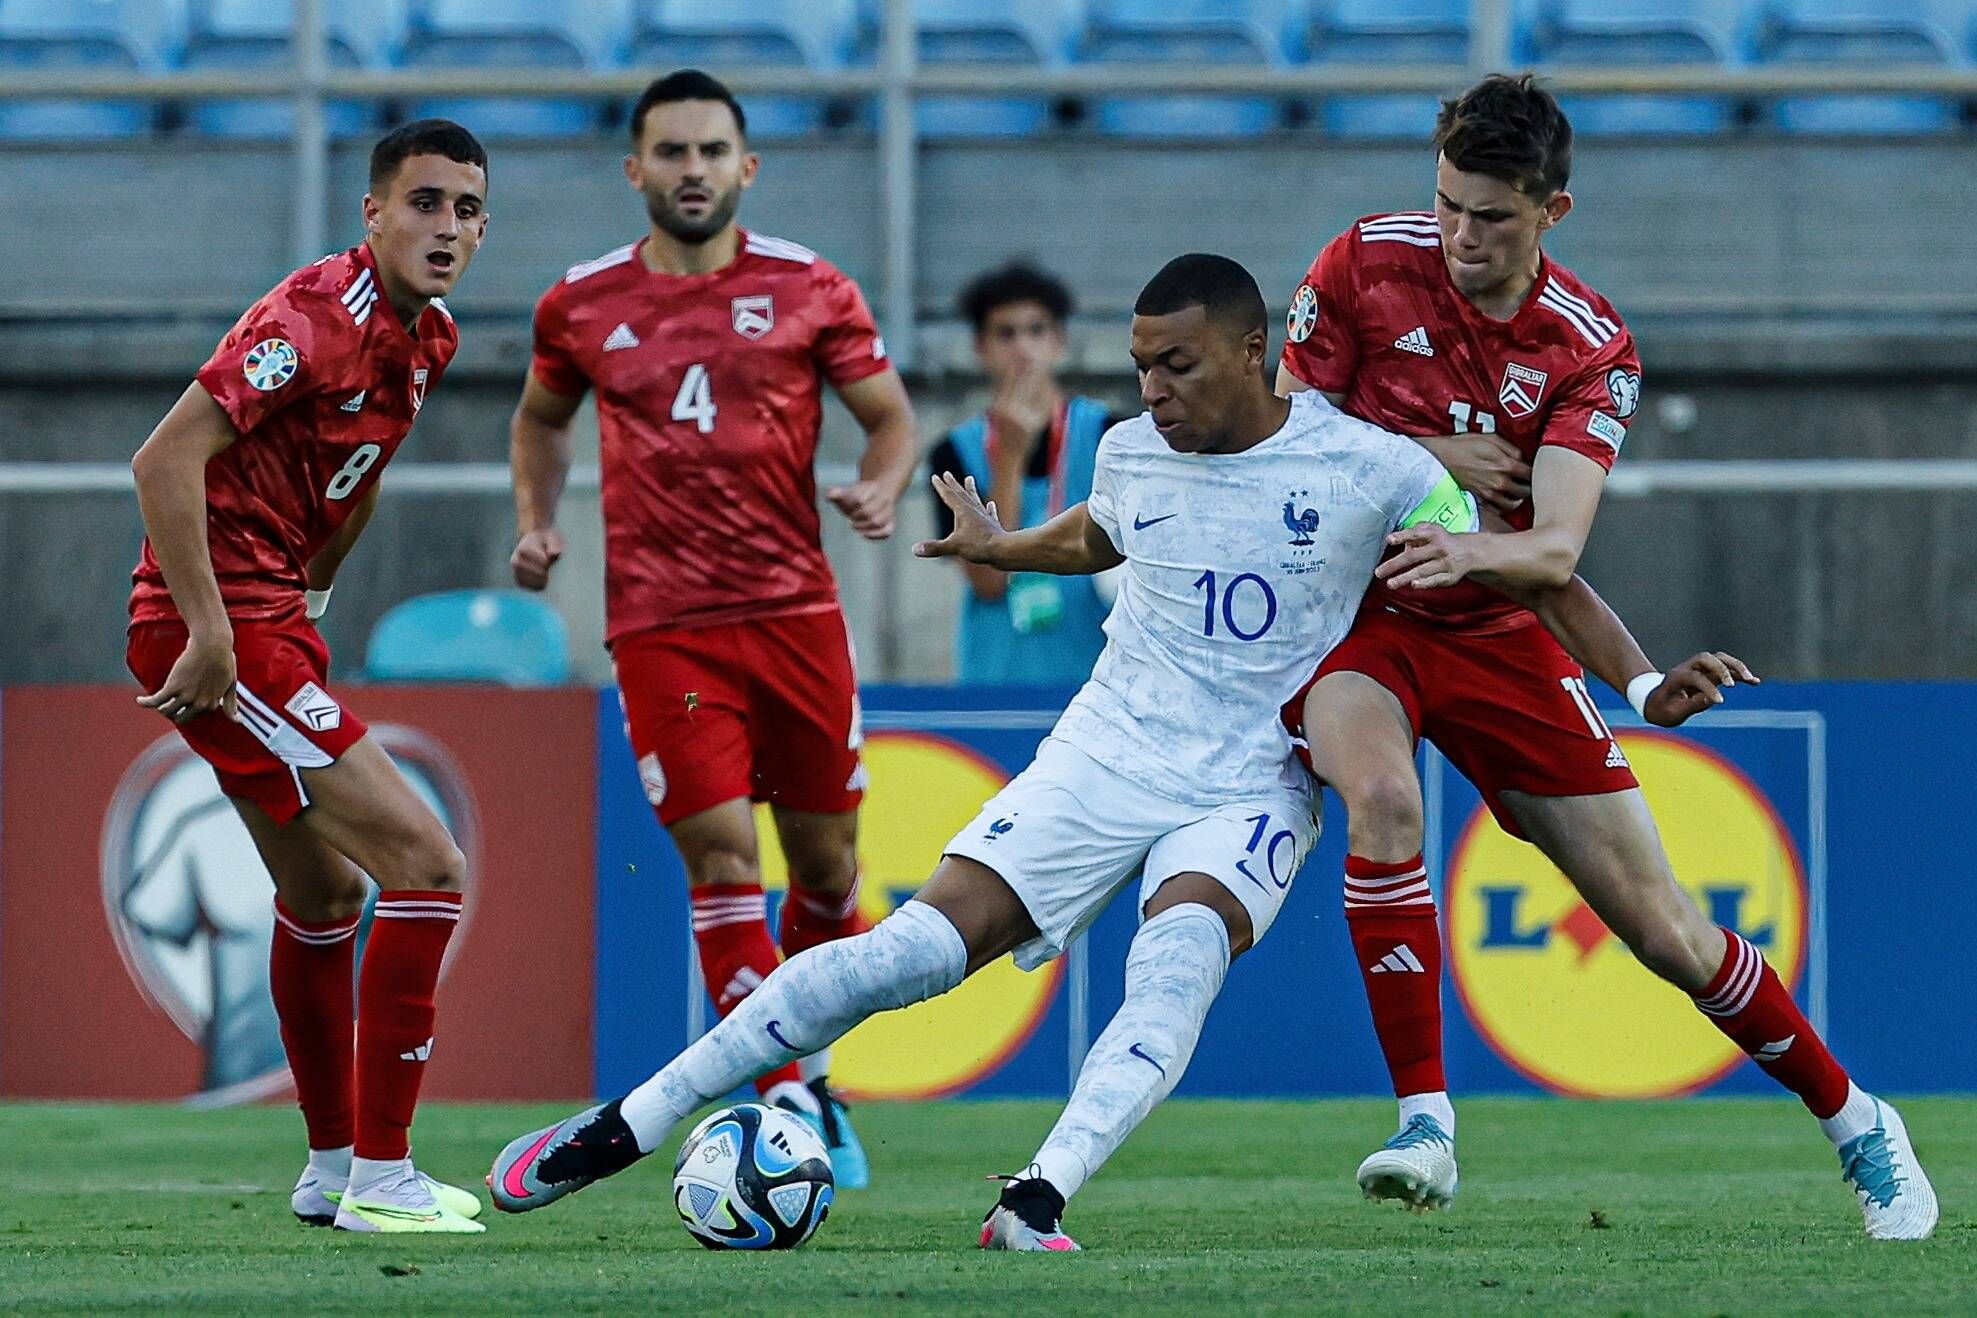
(1509, 128)
(1019, 281)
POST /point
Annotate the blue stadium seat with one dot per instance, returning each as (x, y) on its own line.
(1385, 32)
(86, 36)
(253, 35)
(503, 636)
(1637, 33)
(1875, 32)
(535, 34)
(1187, 32)
(720, 34)
(1038, 33)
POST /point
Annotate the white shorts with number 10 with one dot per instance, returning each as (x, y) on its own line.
(1068, 833)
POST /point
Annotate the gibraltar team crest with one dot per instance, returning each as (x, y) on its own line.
(754, 316)
(1523, 388)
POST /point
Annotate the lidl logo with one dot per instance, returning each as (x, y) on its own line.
(1558, 996)
(924, 789)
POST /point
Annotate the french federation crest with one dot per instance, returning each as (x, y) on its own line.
(1304, 315)
(754, 316)
(1523, 388)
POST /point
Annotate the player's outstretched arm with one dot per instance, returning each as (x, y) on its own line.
(892, 453)
(539, 464)
(170, 472)
(1069, 544)
(1593, 634)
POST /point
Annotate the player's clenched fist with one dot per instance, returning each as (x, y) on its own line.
(534, 555)
(975, 523)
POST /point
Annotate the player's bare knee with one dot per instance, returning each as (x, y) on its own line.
(722, 865)
(323, 896)
(830, 875)
(1201, 890)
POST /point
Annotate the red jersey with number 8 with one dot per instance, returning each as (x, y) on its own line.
(709, 403)
(1378, 320)
(323, 382)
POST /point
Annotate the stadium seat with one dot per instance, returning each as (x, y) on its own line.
(1187, 32)
(253, 35)
(86, 36)
(1873, 32)
(1385, 32)
(1637, 33)
(721, 34)
(502, 636)
(1039, 34)
(536, 34)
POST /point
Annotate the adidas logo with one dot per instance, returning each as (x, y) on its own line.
(745, 982)
(620, 338)
(1771, 1052)
(1400, 961)
(356, 403)
(422, 1053)
(1615, 757)
(1416, 342)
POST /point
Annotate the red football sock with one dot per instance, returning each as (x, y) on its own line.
(1390, 912)
(731, 930)
(1748, 1002)
(311, 973)
(809, 920)
(408, 939)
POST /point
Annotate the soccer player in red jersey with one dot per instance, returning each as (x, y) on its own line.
(254, 488)
(707, 345)
(1426, 323)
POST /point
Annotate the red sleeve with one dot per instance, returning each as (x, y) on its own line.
(267, 361)
(1592, 415)
(551, 361)
(1321, 340)
(848, 346)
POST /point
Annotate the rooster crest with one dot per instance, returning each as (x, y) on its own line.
(1300, 524)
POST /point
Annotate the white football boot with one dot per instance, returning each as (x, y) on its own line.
(1896, 1199)
(1416, 1166)
(402, 1201)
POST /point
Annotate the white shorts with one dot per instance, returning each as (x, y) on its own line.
(1068, 833)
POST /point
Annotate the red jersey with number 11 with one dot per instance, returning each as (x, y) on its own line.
(709, 402)
(322, 381)
(1378, 320)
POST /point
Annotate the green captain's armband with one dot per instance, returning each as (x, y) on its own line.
(1448, 506)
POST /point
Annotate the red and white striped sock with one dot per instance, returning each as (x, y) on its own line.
(1390, 912)
(395, 1010)
(312, 976)
(731, 931)
(1748, 1002)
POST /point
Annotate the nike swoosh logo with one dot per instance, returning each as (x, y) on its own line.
(512, 1181)
(399, 1214)
(1140, 1053)
(1139, 525)
(777, 1035)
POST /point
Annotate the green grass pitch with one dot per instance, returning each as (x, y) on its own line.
(1709, 1207)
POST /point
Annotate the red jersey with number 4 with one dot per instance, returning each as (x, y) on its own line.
(1378, 320)
(709, 401)
(322, 381)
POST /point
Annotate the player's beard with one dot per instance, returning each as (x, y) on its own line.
(718, 216)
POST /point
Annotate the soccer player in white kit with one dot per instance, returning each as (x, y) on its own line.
(1249, 526)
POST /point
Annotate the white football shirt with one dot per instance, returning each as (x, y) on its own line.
(1243, 570)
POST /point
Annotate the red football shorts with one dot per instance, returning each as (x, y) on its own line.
(765, 710)
(288, 721)
(1510, 710)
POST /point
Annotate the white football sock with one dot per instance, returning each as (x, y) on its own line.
(369, 1176)
(794, 1096)
(1855, 1118)
(1173, 972)
(813, 998)
(332, 1165)
(814, 1067)
(1434, 1105)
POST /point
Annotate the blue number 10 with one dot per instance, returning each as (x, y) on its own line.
(1206, 584)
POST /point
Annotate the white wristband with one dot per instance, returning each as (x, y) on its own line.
(315, 603)
(1641, 688)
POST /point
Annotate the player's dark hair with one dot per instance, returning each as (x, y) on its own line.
(1215, 283)
(686, 85)
(423, 137)
(1510, 129)
(1019, 281)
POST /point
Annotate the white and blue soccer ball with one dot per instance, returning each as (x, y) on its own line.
(753, 1177)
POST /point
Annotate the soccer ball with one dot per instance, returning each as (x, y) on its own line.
(753, 1177)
